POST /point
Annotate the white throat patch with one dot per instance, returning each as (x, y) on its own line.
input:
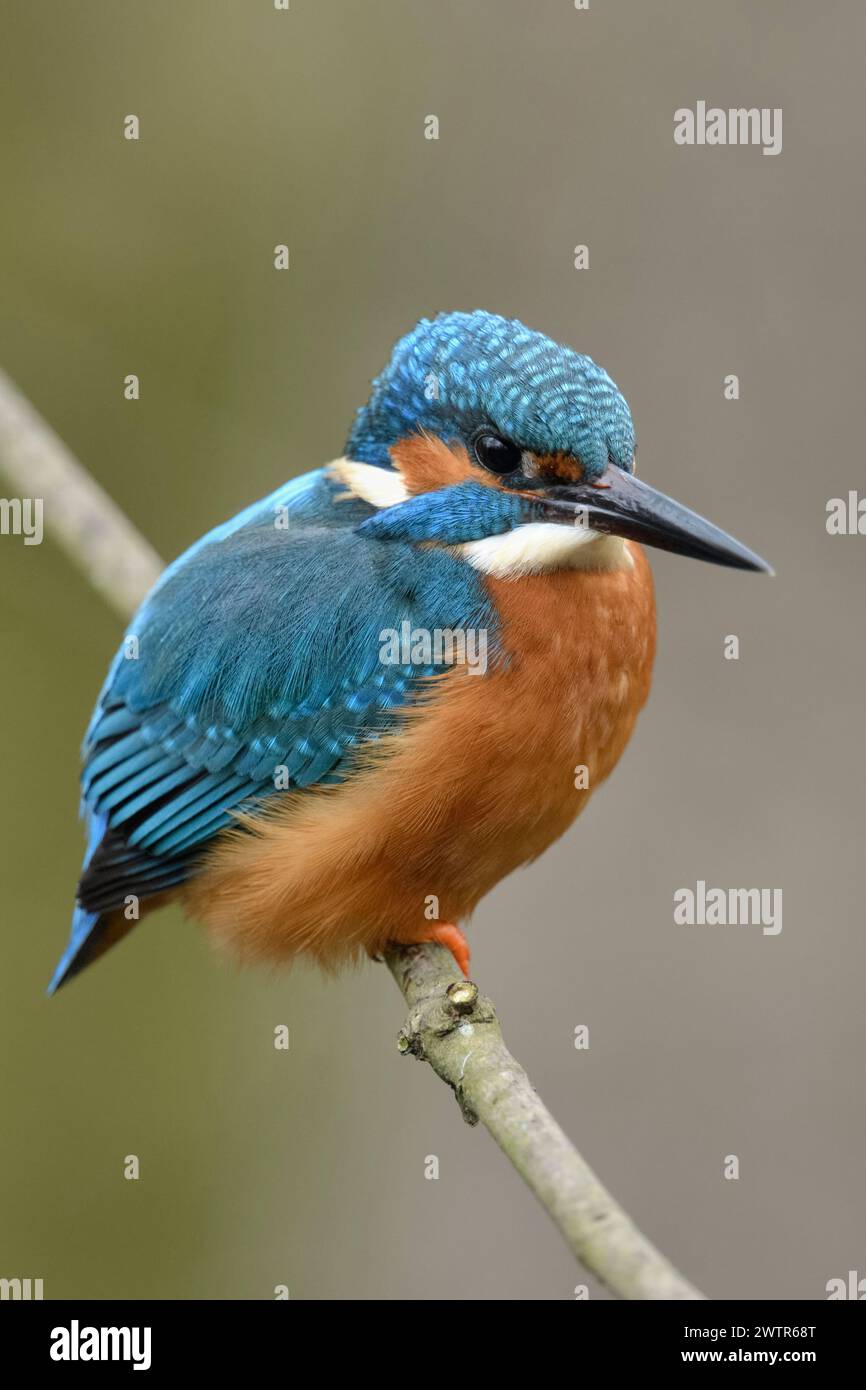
(538, 547)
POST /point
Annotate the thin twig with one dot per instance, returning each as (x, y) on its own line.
(455, 1029)
(450, 1025)
(92, 529)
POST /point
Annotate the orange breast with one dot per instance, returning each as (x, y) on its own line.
(479, 779)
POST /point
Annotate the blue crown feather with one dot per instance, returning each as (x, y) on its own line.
(458, 372)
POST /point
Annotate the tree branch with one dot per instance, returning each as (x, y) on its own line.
(450, 1025)
(92, 529)
(455, 1029)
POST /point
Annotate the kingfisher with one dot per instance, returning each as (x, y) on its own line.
(298, 738)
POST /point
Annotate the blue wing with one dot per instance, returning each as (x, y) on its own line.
(258, 650)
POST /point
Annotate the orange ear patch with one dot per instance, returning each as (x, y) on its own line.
(565, 467)
(427, 463)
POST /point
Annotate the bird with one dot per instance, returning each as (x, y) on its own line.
(340, 718)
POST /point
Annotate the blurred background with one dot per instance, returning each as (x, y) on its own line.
(258, 127)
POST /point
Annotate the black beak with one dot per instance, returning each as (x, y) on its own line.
(622, 506)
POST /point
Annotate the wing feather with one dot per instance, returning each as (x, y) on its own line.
(259, 650)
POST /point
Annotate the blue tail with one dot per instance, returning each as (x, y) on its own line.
(75, 957)
(85, 925)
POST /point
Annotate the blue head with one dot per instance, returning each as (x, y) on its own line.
(491, 426)
(459, 374)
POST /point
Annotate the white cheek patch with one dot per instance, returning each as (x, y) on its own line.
(538, 547)
(381, 487)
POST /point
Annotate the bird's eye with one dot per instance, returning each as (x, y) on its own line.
(497, 454)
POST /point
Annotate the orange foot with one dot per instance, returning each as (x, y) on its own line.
(453, 940)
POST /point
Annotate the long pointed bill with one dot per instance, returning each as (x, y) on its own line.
(623, 506)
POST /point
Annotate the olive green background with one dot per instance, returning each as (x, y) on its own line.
(306, 1168)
